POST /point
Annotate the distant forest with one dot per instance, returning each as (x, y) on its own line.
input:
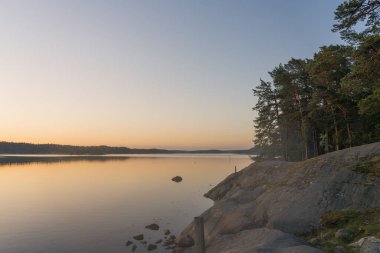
(327, 103)
(27, 148)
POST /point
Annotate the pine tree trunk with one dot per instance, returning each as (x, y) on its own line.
(327, 141)
(336, 135)
(315, 143)
(349, 134)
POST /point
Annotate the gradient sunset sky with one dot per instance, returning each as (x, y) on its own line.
(147, 73)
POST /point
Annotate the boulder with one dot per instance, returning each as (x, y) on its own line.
(151, 247)
(177, 179)
(153, 227)
(139, 237)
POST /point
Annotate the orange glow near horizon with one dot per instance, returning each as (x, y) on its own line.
(75, 123)
(143, 140)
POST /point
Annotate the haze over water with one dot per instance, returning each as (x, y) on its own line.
(96, 206)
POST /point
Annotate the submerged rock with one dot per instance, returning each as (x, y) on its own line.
(139, 237)
(153, 227)
(134, 247)
(177, 179)
(167, 232)
(128, 243)
(152, 247)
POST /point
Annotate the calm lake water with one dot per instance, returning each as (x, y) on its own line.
(95, 205)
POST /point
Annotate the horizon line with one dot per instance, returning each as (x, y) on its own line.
(150, 148)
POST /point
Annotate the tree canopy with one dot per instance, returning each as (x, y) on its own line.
(351, 13)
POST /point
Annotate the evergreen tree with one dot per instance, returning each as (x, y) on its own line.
(267, 136)
(327, 69)
(294, 88)
(352, 12)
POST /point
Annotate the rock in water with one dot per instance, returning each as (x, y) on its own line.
(152, 247)
(153, 227)
(134, 247)
(139, 237)
(177, 179)
(128, 243)
(167, 232)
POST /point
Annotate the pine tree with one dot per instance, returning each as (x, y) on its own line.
(267, 135)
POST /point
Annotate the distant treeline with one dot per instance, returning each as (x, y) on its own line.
(330, 102)
(27, 148)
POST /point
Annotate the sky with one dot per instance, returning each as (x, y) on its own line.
(143, 73)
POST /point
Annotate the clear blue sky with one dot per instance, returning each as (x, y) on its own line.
(165, 73)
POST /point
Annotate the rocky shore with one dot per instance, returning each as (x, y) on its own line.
(273, 206)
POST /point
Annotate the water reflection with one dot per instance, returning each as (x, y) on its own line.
(95, 204)
(18, 160)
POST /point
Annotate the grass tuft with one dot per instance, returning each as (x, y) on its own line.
(369, 165)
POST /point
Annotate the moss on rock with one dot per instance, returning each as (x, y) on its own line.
(357, 224)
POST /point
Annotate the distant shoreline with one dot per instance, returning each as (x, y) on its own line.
(13, 148)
